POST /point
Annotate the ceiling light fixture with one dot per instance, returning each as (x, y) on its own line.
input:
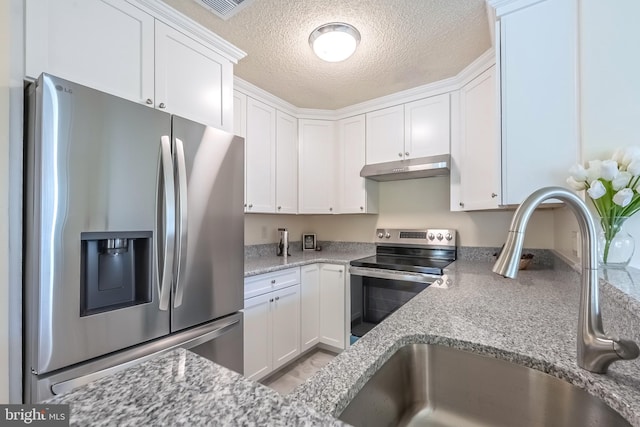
(334, 42)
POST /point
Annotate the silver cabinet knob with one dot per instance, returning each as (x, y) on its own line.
(245, 205)
(277, 298)
(330, 209)
(250, 205)
(461, 205)
(279, 207)
(340, 271)
(361, 208)
(162, 105)
(271, 300)
(494, 195)
(406, 154)
(273, 281)
(399, 154)
(149, 101)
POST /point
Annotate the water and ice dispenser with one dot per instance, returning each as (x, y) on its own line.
(116, 271)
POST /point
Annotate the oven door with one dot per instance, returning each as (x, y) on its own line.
(376, 293)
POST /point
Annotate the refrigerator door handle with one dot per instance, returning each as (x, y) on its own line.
(165, 220)
(181, 244)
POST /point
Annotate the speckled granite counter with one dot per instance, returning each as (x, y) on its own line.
(531, 321)
(184, 389)
(341, 253)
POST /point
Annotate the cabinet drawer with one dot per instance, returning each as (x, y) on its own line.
(263, 283)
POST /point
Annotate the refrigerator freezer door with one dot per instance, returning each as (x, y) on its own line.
(210, 255)
(92, 167)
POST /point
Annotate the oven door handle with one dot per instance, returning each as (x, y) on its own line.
(394, 275)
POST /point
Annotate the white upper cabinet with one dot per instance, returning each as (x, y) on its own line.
(356, 194)
(427, 127)
(104, 44)
(479, 155)
(416, 129)
(260, 157)
(385, 135)
(286, 163)
(239, 114)
(116, 47)
(538, 69)
(192, 80)
(318, 167)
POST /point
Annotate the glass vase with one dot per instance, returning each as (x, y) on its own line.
(615, 245)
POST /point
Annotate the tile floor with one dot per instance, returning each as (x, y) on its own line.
(295, 374)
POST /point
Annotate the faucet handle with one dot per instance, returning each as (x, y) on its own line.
(626, 349)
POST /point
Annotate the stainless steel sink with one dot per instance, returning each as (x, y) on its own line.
(430, 385)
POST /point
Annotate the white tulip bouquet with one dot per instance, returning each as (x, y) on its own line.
(614, 188)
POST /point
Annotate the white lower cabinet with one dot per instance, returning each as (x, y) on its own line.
(309, 306)
(332, 305)
(291, 311)
(271, 322)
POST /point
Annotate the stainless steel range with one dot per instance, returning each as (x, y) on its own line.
(406, 262)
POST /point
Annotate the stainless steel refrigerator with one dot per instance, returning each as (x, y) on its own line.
(134, 237)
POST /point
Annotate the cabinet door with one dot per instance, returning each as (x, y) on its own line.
(192, 80)
(239, 113)
(357, 195)
(257, 337)
(480, 143)
(103, 44)
(261, 157)
(539, 96)
(427, 127)
(286, 163)
(332, 305)
(285, 315)
(318, 168)
(240, 127)
(385, 135)
(309, 306)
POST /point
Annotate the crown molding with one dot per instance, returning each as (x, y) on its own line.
(173, 18)
(482, 63)
(263, 96)
(503, 7)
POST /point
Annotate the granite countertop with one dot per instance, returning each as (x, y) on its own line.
(531, 320)
(184, 389)
(266, 261)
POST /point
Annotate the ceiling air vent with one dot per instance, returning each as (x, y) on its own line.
(225, 9)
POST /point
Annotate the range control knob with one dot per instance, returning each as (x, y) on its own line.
(431, 236)
(448, 236)
(439, 236)
(387, 235)
(380, 235)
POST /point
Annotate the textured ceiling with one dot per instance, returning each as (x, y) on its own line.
(405, 43)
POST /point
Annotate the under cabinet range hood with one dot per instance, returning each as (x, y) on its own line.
(421, 167)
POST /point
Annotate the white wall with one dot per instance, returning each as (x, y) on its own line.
(414, 203)
(4, 201)
(610, 93)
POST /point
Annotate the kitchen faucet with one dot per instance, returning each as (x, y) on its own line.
(596, 351)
